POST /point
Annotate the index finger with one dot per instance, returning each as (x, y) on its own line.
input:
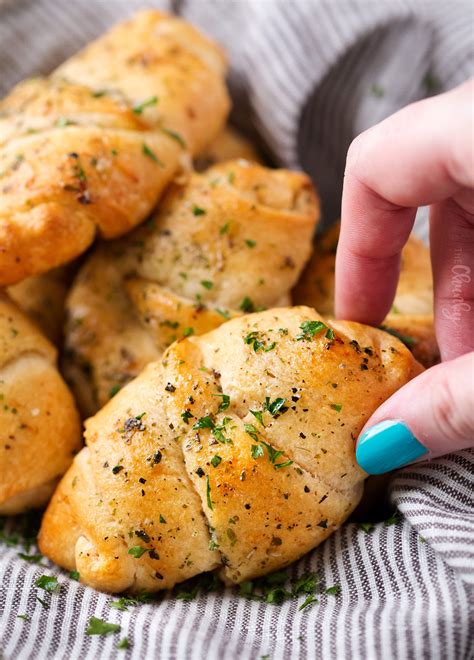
(418, 156)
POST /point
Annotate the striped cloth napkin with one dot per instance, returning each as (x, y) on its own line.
(307, 75)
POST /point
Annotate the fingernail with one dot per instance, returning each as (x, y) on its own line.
(387, 446)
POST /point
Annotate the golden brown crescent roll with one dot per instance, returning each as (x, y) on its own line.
(230, 240)
(39, 424)
(234, 451)
(411, 317)
(91, 149)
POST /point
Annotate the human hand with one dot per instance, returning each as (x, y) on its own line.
(423, 154)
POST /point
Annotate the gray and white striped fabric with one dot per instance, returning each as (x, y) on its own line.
(307, 76)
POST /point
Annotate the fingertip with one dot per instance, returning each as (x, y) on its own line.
(387, 446)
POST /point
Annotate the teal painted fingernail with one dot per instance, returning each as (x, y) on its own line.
(387, 446)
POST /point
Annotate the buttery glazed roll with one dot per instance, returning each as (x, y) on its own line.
(411, 317)
(91, 149)
(39, 424)
(228, 241)
(42, 297)
(235, 451)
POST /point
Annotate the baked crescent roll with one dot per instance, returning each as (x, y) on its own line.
(411, 317)
(39, 424)
(235, 451)
(91, 149)
(229, 241)
(43, 296)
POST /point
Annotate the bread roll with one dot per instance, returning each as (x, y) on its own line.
(236, 451)
(232, 239)
(39, 424)
(411, 317)
(91, 149)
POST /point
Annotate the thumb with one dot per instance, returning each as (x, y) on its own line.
(431, 415)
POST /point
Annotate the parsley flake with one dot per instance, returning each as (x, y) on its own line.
(49, 583)
(256, 451)
(333, 591)
(175, 136)
(225, 403)
(310, 329)
(99, 627)
(150, 154)
(137, 551)
(208, 492)
(139, 108)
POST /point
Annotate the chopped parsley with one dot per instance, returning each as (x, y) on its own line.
(393, 519)
(208, 492)
(33, 559)
(140, 107)
(186, 416)
(336, 406)
(224, 229)
(176, 136)
(204, 423)
(207, 284)
(225, 403)
(123, 644)
(308, 601)
(309, 329)
(150, 154)
(333, 591)
(49, 583)
(217, 429)
(250, 243)
(276, 407)
(197, 210)
(248, 306)
(258, 414)
(252, 339)
(137, 551)
(405, 339)
(252, 431)
(274, 455)
(187, 332)
(366, 527)
(113, 390)
(74, 575)
(99, 627)
(162, 520)
(216, 460)
(256, 451)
